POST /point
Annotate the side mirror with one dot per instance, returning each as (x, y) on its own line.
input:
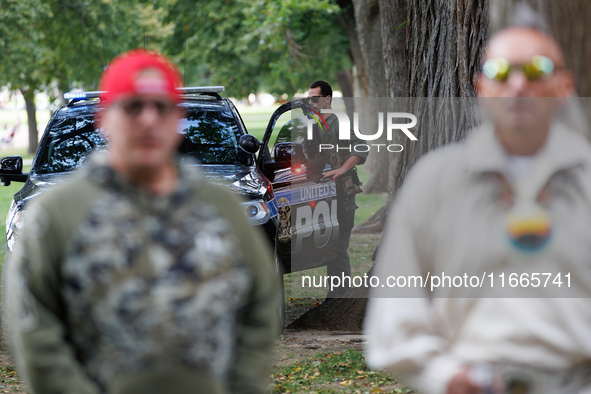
(11, 169)
(249, 143)
(11, 165)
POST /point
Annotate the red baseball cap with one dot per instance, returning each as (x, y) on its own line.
(126, 75)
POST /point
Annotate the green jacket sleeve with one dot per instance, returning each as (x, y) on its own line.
(34, 310)
(257, 329)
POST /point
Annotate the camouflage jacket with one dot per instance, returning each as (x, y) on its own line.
(111, 289)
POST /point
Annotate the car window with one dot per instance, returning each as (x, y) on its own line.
(210, 136)
(70, 141)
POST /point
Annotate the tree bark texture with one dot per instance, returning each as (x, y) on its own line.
(393, 15)
(445, 45)
(367, 20)
(345, 81)
(393, 22)
(347, 21)
(29, 97)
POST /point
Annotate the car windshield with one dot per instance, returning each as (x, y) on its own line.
(210, 134)
(210, 137)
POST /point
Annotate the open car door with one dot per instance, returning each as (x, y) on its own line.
(308, 228)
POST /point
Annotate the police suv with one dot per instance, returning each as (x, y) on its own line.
(280, 180)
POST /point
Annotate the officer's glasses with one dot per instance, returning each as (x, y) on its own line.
(500, 69)
(134, 107)
(315, 99)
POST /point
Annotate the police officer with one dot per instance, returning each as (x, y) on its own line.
(140, 276)
(343, 161)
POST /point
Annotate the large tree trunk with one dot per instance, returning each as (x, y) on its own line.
(444, 47)
(446, 41)
(29, 97)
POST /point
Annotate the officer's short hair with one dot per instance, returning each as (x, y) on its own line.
(325, 88)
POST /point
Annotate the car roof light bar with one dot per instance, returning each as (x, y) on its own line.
(201, 89)
(81, 95)
(209, 90)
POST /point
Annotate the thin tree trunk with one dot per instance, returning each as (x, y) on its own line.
(346, 19)
(369, 32)
(394, 14)
(29, 97)
(345, 80)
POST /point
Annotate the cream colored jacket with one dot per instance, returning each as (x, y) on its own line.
(450, 215)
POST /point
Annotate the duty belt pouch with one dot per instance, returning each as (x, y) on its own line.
(349, 184)
(356, 182)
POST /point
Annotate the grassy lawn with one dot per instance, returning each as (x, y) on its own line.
(333, 372)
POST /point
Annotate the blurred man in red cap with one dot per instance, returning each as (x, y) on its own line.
(139, 276)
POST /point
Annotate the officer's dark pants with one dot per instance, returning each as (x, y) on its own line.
(341, 266)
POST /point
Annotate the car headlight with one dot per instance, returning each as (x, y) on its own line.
(256, 211)
(13, 223)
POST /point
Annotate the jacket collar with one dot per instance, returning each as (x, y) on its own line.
(563, 149)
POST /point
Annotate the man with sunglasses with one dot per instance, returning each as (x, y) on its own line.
(140, 276)
(343, 161)
(515, 196)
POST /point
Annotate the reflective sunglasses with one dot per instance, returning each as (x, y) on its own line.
(135, 107)
(537, 68)
(314, 99)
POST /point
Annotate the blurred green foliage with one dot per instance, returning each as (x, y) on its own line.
(50, 43)
(279, 46)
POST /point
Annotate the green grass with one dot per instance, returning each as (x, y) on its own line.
(368, 205)
(333, 372)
